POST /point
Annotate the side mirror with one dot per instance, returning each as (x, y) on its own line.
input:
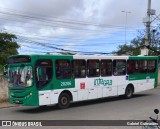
(156, 111)
(39, 71)
(5, 71)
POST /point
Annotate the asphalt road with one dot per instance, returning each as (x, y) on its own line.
(140, 107)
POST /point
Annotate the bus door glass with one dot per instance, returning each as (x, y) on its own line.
(119, 72)
(44, 72)
(109, 85)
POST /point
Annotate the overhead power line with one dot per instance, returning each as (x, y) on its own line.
(81, 41)
(64, 50)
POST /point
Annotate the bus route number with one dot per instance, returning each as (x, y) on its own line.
(66, 83)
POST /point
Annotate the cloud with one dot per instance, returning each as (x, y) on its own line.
(76, 20)
(55, 8)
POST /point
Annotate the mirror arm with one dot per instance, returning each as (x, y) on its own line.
(37, 70)
(4, 71)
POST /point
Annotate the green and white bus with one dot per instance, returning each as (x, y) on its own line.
(37, 80)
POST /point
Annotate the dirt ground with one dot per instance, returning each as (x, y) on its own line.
(3, 90)
(3, 93)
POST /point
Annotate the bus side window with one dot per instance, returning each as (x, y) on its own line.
(132, 66)
(151, 66)
(63, 69)
(119, 67)
(106, 68)
(78, 68)
(93, 68)
(143, 66)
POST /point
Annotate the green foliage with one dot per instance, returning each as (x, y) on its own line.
(138, 43)
(132, 49)
(8, 46)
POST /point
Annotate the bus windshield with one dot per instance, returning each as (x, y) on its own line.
(20, 76)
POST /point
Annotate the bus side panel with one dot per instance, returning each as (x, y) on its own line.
(45, 97)
(142, 82)
(92, 88)
(51, 96)
(122, 82)
(48, 97)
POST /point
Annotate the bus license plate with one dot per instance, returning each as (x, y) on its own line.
(16, 101)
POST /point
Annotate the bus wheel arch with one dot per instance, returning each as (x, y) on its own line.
(64, 99)
(129, 91)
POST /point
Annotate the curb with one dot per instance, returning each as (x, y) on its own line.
(6, 105)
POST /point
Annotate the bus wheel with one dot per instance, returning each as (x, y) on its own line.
(64, 101)
(129, 92)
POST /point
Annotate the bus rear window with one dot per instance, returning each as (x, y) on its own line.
(19, 59)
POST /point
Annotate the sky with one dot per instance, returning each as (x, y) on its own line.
(79, 26)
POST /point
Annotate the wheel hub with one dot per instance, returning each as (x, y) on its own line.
(64, 100)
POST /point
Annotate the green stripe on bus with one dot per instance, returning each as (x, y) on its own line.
(142, 76)
(59, 83)
(143, 58)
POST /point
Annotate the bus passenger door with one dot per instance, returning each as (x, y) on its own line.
(107, 81)
(122, 82)
(119, 75)
(44, 75)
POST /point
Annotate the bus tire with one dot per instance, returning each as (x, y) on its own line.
(64, 101)
(129, 92)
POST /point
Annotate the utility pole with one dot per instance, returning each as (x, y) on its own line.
(147, 20)
(126, 12)
(148, 24)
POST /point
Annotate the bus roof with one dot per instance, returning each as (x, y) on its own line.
(92, 56)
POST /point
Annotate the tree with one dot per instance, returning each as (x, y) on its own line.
(8, 46)
(138, 43)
